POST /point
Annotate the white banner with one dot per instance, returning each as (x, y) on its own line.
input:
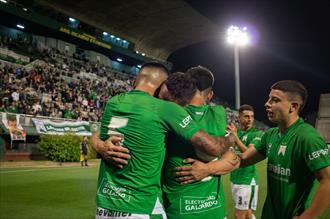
(46, 126)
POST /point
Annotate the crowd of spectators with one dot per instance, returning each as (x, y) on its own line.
(61, 86)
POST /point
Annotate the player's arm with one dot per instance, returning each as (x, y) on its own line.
(109, 151)
(210, 145)
(199, 170)
(250, 156)
(321, 199)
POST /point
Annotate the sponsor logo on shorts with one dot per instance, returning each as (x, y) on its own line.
(110, 213)
(113, 191)
(191, 204)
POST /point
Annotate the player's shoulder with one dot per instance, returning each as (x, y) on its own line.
(217, 108)
(306, 131)
(271, 131)
(168, 106)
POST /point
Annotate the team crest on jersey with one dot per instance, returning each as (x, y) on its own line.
(282, 150)
(244, 138)
(268, 148)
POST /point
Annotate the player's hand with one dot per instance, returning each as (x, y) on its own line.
(115, 154)
(189, 174)
(232, 128)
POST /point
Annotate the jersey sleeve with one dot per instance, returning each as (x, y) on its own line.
(256, 141)
(105, 121)
(315, 150)
(261, 146)
(178, 120)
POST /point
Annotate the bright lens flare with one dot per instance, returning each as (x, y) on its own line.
(237, 36)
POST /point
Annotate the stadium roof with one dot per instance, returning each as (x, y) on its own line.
(156, 27)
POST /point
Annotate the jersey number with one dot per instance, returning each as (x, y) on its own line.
(115, 123)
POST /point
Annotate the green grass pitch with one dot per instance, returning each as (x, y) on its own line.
(69, 192)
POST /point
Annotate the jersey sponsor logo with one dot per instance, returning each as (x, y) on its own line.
(111, 213)
(199, 113)
(192, 204)
(257, 139)
(185, 122)
(110, 190)
(317, 154)
(279, 170)
(281, 150)
(244, 138)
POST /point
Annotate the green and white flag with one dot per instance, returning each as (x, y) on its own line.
(46, 126)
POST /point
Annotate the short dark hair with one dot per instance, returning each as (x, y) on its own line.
(203, 76)
(292, 88)
(181, 87)
(245, 107)
(155, 65)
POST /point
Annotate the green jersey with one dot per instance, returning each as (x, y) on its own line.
(204, 199)
(246, 175)
(143, 122)
(293, 157)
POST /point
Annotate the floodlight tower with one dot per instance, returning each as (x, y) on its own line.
(238, 37)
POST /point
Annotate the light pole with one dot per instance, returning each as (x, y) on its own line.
(238, 37)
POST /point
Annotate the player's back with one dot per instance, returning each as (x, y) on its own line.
(133, 115)
(143, 121)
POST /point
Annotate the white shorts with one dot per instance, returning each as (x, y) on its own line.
(103, 213)
(245, 196)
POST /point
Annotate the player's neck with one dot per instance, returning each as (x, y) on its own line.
(197, 101)
(147, 89)
(244, 128)
(285, 124)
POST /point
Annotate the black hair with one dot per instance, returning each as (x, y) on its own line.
(181, 87)
(245, 107)
(292, 88)
(203, 76)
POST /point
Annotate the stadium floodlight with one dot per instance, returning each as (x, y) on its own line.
(105, 34)
(3, 1)
(238, 37)
(24, 9)
(20, 26)
(124, 41)
(72, 19)
(137, 52)
(119, 60)
(118, 38)
(143, 54)
(112, 36)
(139, 66)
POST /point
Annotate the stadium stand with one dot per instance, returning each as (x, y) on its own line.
(323, 118)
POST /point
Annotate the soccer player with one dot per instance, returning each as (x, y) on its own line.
(203, 199)
(244, 182)
(142, 122)
(296, 154)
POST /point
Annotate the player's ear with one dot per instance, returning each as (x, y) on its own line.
(209, 96)
(294, 107)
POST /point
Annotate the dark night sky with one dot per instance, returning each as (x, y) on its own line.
(292, 42)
